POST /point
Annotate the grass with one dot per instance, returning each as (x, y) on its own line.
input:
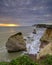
(25, 60)
(47, 60)
(4, 63)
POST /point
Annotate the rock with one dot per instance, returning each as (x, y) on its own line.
(43, 44)
(43, 25)
(47, 37)
(34, 31)
(16, 43)
(46, 43)
(45, 50)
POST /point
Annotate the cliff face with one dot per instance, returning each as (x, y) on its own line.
(46, 43)
(47, 35)
(46, 50)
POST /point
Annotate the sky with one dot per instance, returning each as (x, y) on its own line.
(25, 12)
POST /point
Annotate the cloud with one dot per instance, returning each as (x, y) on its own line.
(26, 11)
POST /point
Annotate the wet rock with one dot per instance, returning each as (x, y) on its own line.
(16, 43)
(34, 31)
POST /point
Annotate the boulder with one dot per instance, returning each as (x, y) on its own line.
(16, 43)
(34, 31)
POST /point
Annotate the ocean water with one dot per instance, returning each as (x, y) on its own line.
(33, 41)
(6, 32)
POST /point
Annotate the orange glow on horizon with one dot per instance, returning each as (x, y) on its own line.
(9, 25)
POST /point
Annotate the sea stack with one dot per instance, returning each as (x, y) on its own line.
(16, 43)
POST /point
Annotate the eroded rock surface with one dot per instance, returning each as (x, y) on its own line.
(46, 43)
(47, 37)
(16, 43)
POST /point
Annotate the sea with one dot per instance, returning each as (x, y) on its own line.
(6, 32)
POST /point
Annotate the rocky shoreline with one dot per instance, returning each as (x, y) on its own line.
(17, 43)
(43, 25)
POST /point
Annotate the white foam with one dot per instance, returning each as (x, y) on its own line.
(33, 43)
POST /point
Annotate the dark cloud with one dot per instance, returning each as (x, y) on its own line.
(27, 11)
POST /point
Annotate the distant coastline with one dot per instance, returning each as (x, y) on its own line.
(43, 25)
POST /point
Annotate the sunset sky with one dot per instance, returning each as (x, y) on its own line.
(25, 12)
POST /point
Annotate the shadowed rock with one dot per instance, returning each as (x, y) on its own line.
(16, 43)
(34, 31)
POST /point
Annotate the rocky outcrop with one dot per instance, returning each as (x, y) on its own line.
(47, 37)
(34, 31)
(46, 50)
(43, 25)
(16, 43)
(46, 43)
